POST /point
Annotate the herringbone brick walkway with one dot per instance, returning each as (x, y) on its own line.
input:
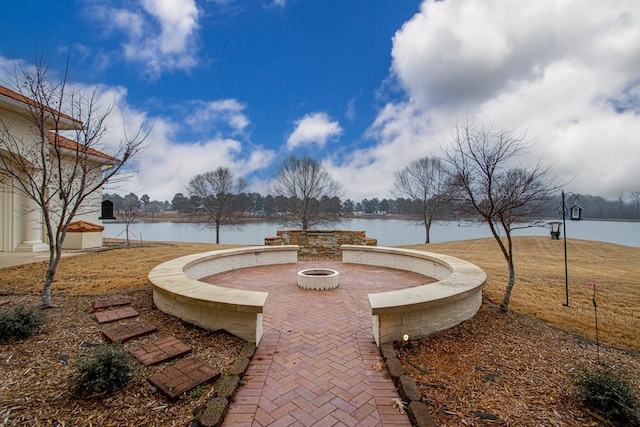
(317, 363)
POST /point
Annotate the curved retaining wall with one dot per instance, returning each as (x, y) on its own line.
(422, 310)
(418, 311)
(178, 291)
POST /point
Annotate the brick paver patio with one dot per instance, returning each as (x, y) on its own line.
(317, 363)
(183, 376)
(111, 301)
(117, 314)
(125, 332)
(160, 350)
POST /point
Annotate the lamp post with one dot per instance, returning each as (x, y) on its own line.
(564, 238)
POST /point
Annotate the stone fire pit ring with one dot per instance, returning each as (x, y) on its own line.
(318, 279)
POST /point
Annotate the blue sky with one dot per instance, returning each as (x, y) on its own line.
(364, 86)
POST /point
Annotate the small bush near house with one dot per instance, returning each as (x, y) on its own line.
(107, 369)
(611, 394)
(19, 323)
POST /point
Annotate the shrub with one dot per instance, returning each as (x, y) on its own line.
(609, 393)
(19, 323)
(107, 369)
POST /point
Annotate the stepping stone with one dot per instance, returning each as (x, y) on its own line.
(183, 376)
(117, 314)
(113, 301)
(161, 350)
(123, 333)
(4, 302)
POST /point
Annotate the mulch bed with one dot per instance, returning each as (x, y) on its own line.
(507, 369)
(35, 373)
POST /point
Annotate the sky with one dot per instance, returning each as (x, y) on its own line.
(363, 86)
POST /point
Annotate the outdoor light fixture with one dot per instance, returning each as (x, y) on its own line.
(576, 214)
(405, 340)
(554, 229)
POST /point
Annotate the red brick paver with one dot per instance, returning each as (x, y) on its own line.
(161, 350)
(128, 331)
(112, 301)
(317, 363)
(183, 376)
(117, 314)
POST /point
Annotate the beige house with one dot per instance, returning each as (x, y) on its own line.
(21, 224)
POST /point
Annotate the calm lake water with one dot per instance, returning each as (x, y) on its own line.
(389, 232)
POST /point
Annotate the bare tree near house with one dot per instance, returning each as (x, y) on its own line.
(505, 196)
(58, 174)
(426, 181)
(215, 191)
(304, 182)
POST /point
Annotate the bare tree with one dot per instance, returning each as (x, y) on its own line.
(504, 196)
(215, 191)
(130, 211)
(304, 182)
(426, 181)
(61, 176)
(635, 200)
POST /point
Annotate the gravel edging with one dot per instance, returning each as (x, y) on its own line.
(418, 412)
(212, 414)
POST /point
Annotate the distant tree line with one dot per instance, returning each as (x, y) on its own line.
(252, 204)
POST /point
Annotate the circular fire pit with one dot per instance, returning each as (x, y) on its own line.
(318, 279)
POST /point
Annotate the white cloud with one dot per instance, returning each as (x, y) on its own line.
(160, 34)
(567, 71)
(350, 114)
(228, 112)
(315, 128)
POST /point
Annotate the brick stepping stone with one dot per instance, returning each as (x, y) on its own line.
(4, 302)
(161, 350)
(113, 301)
(183, 376)
(123, 333)
(117, 314)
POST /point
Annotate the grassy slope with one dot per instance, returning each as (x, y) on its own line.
(540, 283)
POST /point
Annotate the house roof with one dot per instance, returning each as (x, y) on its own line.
(72, 145)
(5, 93)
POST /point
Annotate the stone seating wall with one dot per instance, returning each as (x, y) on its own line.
(320, 242)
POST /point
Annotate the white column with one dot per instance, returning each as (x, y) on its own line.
(32, 224)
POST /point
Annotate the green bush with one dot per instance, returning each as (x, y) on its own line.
(108, 368)
(19, 323)
(609, 393)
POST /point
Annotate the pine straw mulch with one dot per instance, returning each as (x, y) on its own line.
(35, 388)
(508, 369)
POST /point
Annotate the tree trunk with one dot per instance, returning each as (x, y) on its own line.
(54, 259)
(427, 226)
(217, 232)
(504, 306)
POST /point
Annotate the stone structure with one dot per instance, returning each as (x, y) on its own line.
(422, 310)
(417, 311)
(320, 242)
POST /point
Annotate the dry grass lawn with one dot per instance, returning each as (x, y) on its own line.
(539, 291)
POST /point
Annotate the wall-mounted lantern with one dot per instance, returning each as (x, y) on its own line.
(107, 210)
